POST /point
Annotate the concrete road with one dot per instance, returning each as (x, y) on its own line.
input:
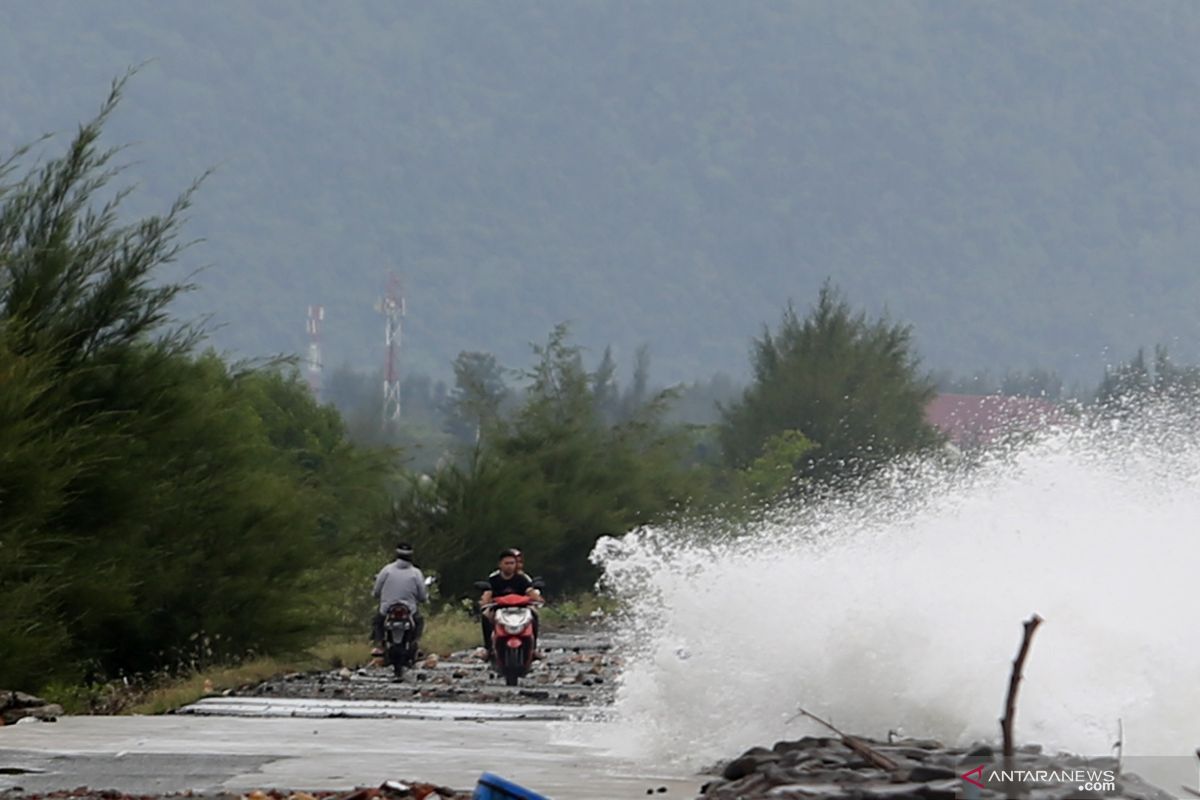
(178, 753)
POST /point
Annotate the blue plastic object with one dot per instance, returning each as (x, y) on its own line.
(493, 787)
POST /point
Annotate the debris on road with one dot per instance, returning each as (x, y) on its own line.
(389, 790)
(16, 706)
(575, 670)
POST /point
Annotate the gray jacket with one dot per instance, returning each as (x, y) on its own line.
(400, 582)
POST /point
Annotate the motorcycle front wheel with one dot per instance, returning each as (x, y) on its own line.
(513, 665)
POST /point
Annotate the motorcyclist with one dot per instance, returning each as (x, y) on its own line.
(507, 580)
(537, 586)
(399, 582)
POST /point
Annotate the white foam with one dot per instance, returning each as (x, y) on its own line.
(902, 608)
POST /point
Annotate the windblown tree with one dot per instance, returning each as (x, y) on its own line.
(848, 384)
(157, 507)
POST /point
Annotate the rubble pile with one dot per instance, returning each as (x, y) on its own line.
(827, 768)
(16, 706)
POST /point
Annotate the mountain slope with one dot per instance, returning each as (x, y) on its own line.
(1017, 180)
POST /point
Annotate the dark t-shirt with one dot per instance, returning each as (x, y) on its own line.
(519, 583)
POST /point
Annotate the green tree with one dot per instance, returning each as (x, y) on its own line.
(849, 384)
(1135, 382)
(551, 477)
(479, 392)
(776, 471)
(156, 506)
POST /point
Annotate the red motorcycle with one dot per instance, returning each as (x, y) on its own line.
(513, 639)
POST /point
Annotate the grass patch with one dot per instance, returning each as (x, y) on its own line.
(449, 631)
(160, 693)
(572, 612)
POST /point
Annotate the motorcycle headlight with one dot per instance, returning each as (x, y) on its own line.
(514, 620)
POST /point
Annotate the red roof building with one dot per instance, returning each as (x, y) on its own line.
(971, 420)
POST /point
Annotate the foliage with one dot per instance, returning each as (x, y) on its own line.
(158, 508)
(478, 395)
(775, 471)
(1135, 382)
(848, 384)
(550, 478)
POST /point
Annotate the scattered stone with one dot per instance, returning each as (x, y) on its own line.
(577, 665)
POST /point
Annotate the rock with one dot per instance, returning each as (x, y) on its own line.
(807, 743)
(911, 753)
(47, 712)
(891, 791)
(981, 751)
(11, 699)
(803, 791)
(748, 763)
(942, 790)
(923, 744)
(18, 706)
(924, 773)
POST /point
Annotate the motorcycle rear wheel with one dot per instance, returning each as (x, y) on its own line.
(396, 656)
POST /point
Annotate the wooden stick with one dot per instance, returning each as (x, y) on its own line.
(1014, 680)
(857, 745)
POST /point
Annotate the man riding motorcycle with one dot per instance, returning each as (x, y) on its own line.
(399, 582)
(506, 580)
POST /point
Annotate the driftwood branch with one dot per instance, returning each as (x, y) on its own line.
(1120, 743)
(1014, 680)
(873, 757)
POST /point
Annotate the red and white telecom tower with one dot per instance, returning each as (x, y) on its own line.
(392, 307)
(316, 315)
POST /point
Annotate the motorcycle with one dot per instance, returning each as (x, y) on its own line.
(400, 636)
(514, 641)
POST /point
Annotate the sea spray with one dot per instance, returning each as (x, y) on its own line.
(900, 607)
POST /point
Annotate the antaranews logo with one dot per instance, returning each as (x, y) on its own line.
(1083, 779)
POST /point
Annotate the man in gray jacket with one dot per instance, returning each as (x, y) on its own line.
(399, 582)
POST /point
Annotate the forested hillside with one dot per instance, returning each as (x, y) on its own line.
(1017, 180)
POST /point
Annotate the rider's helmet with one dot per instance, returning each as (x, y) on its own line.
(404, 550)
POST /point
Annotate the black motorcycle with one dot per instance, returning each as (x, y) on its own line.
(399, 638)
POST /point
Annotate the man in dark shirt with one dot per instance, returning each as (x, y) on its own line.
(506, 580)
